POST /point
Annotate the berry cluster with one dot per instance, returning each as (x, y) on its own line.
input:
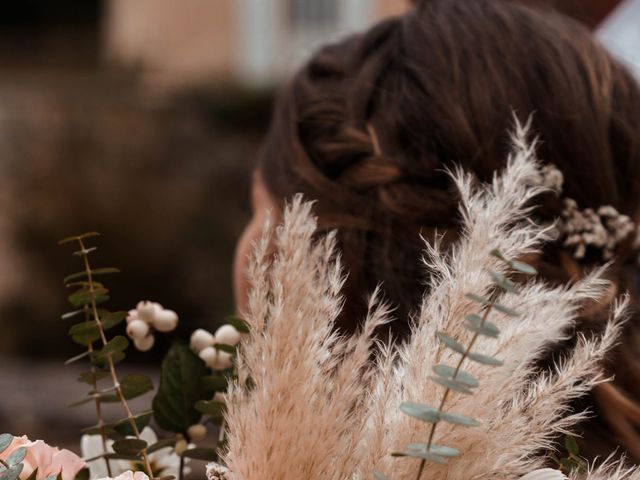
(146, 318)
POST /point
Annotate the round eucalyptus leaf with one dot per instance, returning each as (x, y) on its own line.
(129, 446)
(451, 343)
(461, 376)
(421, 412)
(459, 419)
(16, 457)
(5, 441)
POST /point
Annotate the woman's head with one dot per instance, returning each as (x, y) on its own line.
(370, 125)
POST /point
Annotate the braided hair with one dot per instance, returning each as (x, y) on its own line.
(369, 126)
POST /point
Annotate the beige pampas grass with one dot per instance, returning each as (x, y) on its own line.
(321, 409)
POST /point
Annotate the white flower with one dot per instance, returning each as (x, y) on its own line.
(201, 339)
(227, 335)
(163, 461)
(545, 474)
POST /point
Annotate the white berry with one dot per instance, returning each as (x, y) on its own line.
(218, 397)
(137, 329)
(208, 355)
(144, 344)
(165, 320)
(201, 339)
(223, 360)
(181, 446)
(228, 335)
(132, 315)
(146, 311)
(197, 432)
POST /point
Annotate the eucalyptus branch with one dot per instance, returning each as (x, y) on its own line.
(94, 385)
(84, 253)
(454, 377)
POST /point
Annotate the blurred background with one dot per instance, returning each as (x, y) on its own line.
(140, 119)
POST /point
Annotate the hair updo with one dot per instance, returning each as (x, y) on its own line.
(368, 127)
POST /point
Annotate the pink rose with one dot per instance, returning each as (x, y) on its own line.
(48, 460)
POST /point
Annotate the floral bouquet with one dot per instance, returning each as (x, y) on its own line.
(292, 399)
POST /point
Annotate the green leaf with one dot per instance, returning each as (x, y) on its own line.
(97, 271)
(102, 361)
(121, 456)
(420, 411)
(458, 419)
(451, 343)
(116, 344)
(475, 324)
(34, 474)
(571, 445)
(12, 473)
(523, 268)
(75, 238)
(498, 254)
(423, 455)
(460, 376)
(506, 310)
(478, 299)
(84, 296)
(207, 454)
(159, 445)
(84, 333)
(97, 430)
(180, 388)
(484, 359)
(237, 323)
(129, 446)
(17, 456)
(380, 475)
(132, 386)
(444, 451)
(123, 427)
(111, 319)
(83, 474)
(225, 348)
(451, 384)
(5, 441)
(216, 383)
(90, 377)
(210, 407)
(503, 282)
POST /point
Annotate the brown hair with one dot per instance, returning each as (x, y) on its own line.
(369, 125)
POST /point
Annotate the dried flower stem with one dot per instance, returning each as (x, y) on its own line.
(111, 365)
(485, 316)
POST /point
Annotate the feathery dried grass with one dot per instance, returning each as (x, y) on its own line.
(321, 409)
